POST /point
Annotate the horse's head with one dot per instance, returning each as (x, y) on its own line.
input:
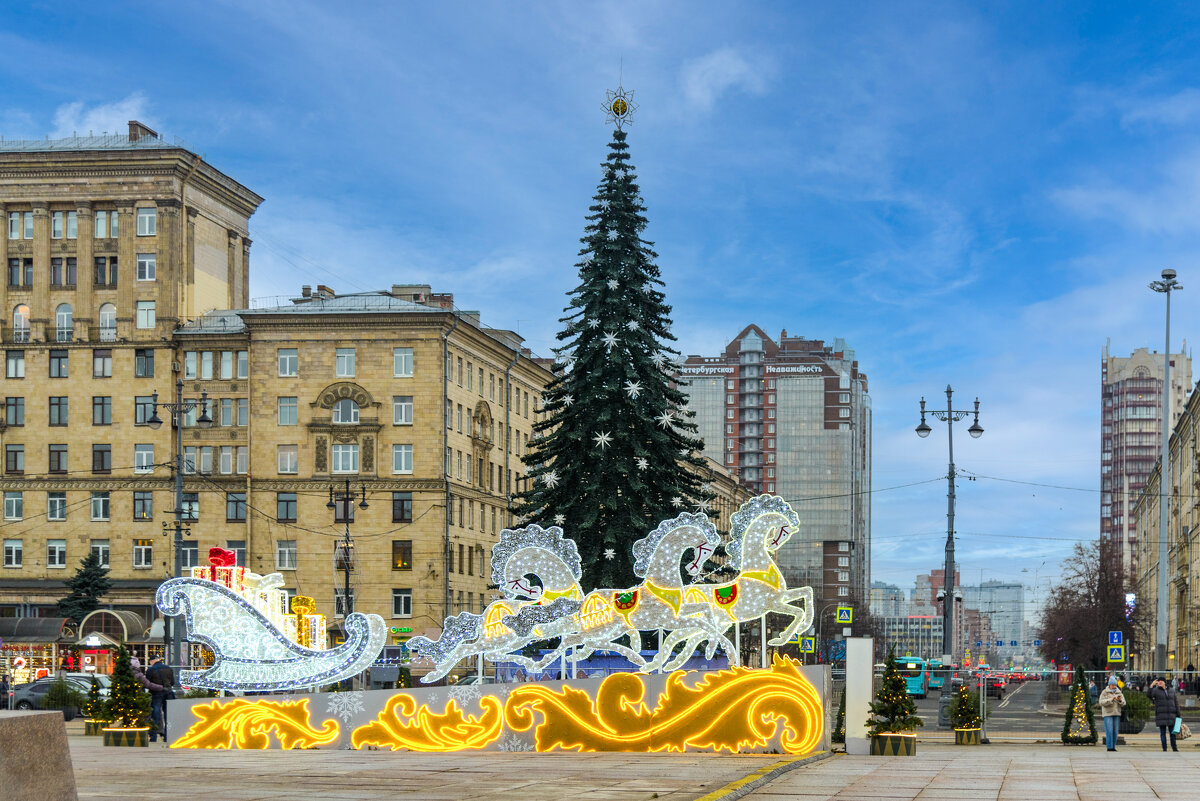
(661, 550)
(529, 561)
(766, 516)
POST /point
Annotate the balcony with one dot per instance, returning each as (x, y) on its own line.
(20, 335)
(108, 334)
(64, 334)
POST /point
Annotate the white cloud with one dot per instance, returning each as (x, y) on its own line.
(705, 79)
(1176, 109)
(77, 119)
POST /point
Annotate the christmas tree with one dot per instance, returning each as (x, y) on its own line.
(611, 457)
(839, 722)
(892, 711)
(128, 702)
(1079, 727)
(964, 710)
(93, 707)
(89, 584)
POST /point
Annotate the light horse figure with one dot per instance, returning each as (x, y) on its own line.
(519, 554)
(659, 603)
(758, 530)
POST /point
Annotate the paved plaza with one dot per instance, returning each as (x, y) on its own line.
(1041, 772)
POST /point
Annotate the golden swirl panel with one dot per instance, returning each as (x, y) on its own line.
(427, 731)
(244, 723)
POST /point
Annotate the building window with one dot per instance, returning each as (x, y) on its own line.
(14, 225)
(401, 554)
(288, 459)
(189, 554)
(345, 458)
(56, 225)
(844, 546)
(226, 365)
(147, 222)
(143, 363)
(100, 506)
(339, 601)
(108, 322)
(287, 411)
(100, 549)
(289, 362)
(206, 364)
(12, 548)
(14, 364)
(402, 363)
(28, 225)
(102, 410)
(146, 266)
(56, 506)
(843, 591)
(402, 410)
(143, 553)
(239, 549)
(14, 506)
(100, 218)
(285, 507)
(843, 575)
(226, 465)
(143, 505)
(402, 603)
(189, 507)
(58, 458)
(14, 411)
(235, 507)
(402, 458)
(285, 554)
(345, 411)
(402, 507)
(145, 314)
(105, 270)
(843, 561)
(143, 409)
(102, 363)
(344, 367)
(843, 412)
(14, 458)
(143, 457)
(59, 363)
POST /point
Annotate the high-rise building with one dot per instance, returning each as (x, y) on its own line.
(1131, 437)
(888, 600)
(793, 418)
(1003, 603)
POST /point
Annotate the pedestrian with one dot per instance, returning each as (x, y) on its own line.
(1166, 710)
(4, 691)
(1093, 691)
(160, 674)
(149, 686)
(1112, 701)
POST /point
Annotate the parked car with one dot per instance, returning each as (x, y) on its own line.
(995, 685)
(103, 679)
(475, 679)
(31, 695)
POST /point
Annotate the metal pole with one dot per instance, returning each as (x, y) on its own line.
(948, 603)
(177, 623)
(1164, 286)
(762, 651)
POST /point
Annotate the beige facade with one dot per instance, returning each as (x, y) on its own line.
(104, 240)
(1183, 550)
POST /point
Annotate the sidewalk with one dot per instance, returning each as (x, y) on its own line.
(1043, 772)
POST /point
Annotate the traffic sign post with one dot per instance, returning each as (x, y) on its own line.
(845, 614)
(808, 645)
(1116, 653)
(1116, 638)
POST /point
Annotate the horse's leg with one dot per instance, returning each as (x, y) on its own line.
(689, 647)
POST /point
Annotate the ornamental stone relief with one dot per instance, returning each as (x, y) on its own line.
(346, 389)
(320, 460)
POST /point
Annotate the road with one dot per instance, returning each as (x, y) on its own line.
(1016, 713)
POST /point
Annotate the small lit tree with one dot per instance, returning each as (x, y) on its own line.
(964, 711)
(1079, 727)
(128, 702)
(93, 707)
(892, 711)
(839, 723)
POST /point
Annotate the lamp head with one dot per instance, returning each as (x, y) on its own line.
(1168, 274)
(923, 429)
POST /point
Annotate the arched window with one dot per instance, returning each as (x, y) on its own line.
(345, 411)
(21, 323)
(64, 322)
(108, 323)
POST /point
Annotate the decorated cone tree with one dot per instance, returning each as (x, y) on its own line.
(892, 711)
(839, 724)
(93, 707)
(611, 456)
(964, 711)
(1079, 727)
(128, 702)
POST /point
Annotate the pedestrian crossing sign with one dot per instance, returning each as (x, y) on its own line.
(808, 645)
(1116, 653)
(845, 614)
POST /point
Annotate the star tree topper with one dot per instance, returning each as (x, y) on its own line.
(619, 107)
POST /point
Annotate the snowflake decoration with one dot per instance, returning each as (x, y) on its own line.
(633, 389)
(587, 259)
(550, 479)
(528, 468)
(610, 554)
(684, 452)
(647, 288)
(346, 705)
(465, 694)
(514, 743)
(642, 462)
(702, 505)
(560, 519)
(631, 325)
(603, 439)
(605, 204)
(665, 418)
(677, 501)
(610, 340)
(567, 400)
(593, 323)
(613, 283)
(659, 359)
(612, 234)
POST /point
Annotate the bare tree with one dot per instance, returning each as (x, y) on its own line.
(1087, 603)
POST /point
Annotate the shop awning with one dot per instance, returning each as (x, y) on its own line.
(36, 629)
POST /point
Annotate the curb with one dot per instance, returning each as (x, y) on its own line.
(740, 787)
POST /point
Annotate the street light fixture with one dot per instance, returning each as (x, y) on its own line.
(176, 410)
(949, 416)
(1165, 286)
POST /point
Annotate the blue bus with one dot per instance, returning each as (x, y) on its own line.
(916, 676)
(937, 674)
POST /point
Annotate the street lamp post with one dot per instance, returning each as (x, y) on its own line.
(1165, 286)
(345, 500)
(949, 415)
(176, 410)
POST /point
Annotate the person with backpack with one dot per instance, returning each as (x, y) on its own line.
(161, 675)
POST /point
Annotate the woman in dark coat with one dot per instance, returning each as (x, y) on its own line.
(1166, 709)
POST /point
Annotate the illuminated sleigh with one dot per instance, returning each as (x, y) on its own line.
(252, 653)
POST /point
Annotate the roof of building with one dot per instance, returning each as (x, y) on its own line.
(35, 629)
(103, 142)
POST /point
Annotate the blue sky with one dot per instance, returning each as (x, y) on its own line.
(974, 196)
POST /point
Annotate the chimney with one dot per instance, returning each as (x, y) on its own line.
(306, 291)
(138, 131)
(324, 291)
